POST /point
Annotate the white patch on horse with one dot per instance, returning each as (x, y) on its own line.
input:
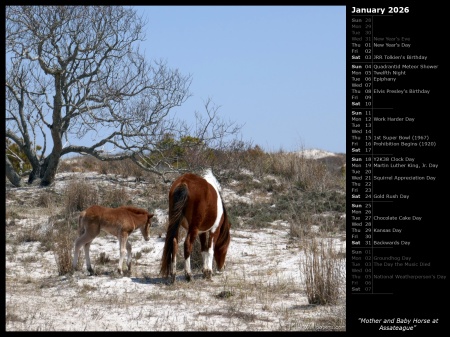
(209, 177)
(187, 265)
(208, 257)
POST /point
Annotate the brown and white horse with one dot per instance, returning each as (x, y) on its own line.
(196, 204)
(120, 222)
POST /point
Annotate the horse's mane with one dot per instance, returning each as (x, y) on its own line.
(135, 209)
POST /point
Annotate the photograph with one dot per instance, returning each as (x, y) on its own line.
(183, 168)
(216, 132)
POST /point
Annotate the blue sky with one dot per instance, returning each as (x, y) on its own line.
(279, 70)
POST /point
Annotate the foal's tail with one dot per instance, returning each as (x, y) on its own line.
(80, 223)
(180, 197)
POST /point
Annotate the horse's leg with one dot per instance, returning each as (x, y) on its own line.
(188, 244)
(78, 242)
(129, 255)
(76, 252)
(187, 259)
(203, 244)
(173, 268)
(83, 241)
(91, 230)
(207, 255)
(88, 259)
(123, 239)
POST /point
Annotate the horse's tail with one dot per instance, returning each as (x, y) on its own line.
(80, 223)
(180, 197)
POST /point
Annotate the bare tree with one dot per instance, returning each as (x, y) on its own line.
(77, 71)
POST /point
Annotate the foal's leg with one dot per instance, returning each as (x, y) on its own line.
(83, 241)
(88, 259)
(129, 255)
(76, 253)
(123, 239)
(78, 243)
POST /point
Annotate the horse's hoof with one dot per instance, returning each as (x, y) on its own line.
(188, 277)
(207, 274)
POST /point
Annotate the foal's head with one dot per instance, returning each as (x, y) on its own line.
(145, 230)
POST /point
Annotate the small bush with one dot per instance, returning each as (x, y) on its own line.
(79, 195)
(300, 230)
(116, 197)
(63, 238)
(324, 273)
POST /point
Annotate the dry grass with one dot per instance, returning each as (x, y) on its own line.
(78, 196)
(324, 271)
(63, 237)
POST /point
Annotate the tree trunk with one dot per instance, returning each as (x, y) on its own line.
(11, 174)
(50, 170)
(56, 131)
(33, 175)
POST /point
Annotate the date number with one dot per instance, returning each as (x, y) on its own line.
(398, 10)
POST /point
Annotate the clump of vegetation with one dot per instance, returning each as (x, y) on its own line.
(78, 196)
(62, 238)
(18, 158)
(31, 234)
(115, 197)
(324, 272)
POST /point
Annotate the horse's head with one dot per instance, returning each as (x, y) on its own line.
(223, 241)
(146, 228)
